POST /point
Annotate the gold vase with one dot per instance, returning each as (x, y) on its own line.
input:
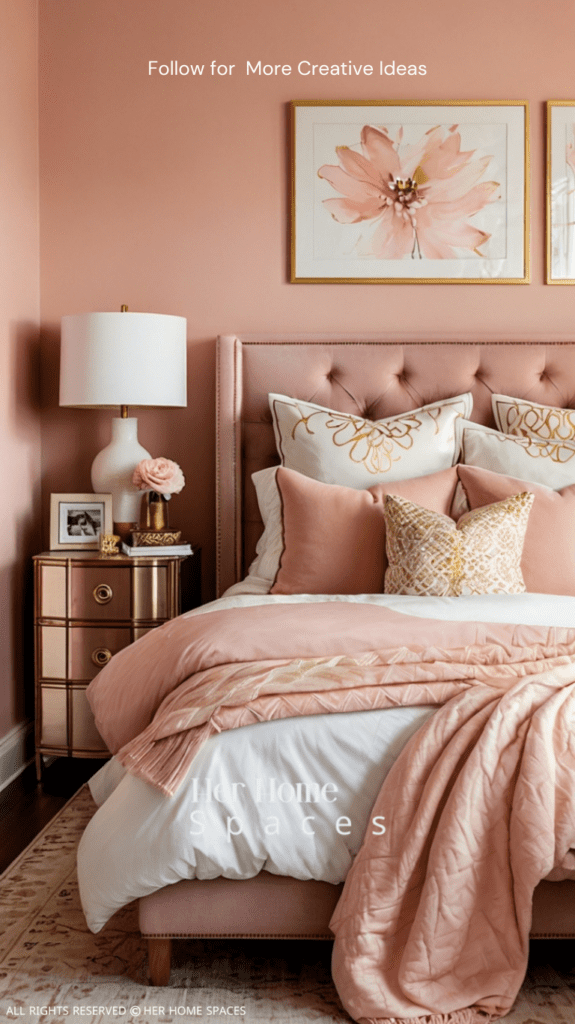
(153, 529)
(154, 512)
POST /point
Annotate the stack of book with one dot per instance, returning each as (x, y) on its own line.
(145, 550)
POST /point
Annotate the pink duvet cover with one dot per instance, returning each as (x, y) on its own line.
(434, 920)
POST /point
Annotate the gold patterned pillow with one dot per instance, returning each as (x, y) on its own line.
(549, 462)
(347, 449)
(530, 419)
(430, 555)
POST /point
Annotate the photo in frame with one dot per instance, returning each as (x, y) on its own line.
(410, 192)
(560, 192)
(77, 520)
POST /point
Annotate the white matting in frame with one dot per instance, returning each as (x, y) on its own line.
(77, 520)
(410, 192)
(561, 192)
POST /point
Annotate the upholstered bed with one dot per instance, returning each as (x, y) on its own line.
(371, 377)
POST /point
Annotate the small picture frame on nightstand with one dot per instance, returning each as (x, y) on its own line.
(77, 520)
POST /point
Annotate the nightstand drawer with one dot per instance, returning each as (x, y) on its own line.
(52, 652)
(91, 647)
(86, 609)
(52, 592)
(53, 716)
(151, 593)
(67, 720)
(100, 592)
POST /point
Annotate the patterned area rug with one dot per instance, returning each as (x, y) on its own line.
(52, 967)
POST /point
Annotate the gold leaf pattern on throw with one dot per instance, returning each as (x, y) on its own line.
(429, 554)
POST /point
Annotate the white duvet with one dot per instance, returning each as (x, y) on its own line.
(292, 796)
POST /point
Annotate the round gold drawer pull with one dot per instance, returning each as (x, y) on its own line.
(103, 593)
(101, 656)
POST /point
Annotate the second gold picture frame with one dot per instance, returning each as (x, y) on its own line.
(560, 189)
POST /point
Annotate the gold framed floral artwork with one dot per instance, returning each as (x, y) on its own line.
(561, 192)
(410, 192)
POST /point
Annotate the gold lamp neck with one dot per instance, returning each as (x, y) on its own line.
(124, 408)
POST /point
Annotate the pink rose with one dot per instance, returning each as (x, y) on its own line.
(161, 475)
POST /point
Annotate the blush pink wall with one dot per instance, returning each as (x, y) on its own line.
(170, 194)
(19, 345)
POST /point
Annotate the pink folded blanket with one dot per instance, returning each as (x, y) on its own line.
(434, 920)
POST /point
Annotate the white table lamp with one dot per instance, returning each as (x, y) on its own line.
(122, 359)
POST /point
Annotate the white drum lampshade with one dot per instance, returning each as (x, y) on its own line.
(122, 359)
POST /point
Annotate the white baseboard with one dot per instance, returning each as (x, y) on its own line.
(16, 752)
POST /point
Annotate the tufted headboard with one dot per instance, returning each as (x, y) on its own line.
(371, 375)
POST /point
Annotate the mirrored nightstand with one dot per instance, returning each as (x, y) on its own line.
(86, 608)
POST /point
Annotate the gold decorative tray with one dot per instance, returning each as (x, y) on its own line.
(155, 538)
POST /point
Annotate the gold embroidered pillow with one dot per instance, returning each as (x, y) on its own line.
(429, 554)
(530, 419)
(548, 462)
(349, 450)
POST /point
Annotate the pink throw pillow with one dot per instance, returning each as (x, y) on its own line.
(548, 561)
(334, 537)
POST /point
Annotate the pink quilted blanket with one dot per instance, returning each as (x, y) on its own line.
(434, 920)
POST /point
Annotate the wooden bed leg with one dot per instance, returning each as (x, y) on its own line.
(159, 960)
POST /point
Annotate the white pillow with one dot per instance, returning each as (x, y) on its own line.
(340, 448)
(529, 419)
(263, 570)
(551, 463)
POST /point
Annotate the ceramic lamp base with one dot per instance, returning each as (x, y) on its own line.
(112, 471)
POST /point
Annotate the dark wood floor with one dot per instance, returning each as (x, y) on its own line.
(26, 807)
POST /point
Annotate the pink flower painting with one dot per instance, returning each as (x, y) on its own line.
(414, 200)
